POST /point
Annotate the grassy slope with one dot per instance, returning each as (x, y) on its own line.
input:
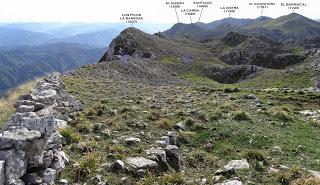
(220, 120)
(7, 102)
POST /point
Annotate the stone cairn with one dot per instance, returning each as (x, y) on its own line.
(30, 144)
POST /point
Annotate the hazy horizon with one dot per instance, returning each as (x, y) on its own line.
(100, 11)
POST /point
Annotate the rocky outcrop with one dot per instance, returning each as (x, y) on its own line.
(231, 74)
(234, 38)
(260, 51)
(30, 144)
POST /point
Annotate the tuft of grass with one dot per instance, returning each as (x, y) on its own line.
(199, 158)
(282, 116)
(240, 116)
(165, 123)
(87, 166)
(7, 102)
(70, 135)
(308, 181)
(215, 116)
(166, 179)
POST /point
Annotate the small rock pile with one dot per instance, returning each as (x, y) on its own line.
(159, 159)
(30, 144)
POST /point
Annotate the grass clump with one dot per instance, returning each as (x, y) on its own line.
(215, 116)
(165, 123)
(240, 116)
(287, 177)
(87, 166)
(200, 158)
(308, 181)
(282, 116)
(70, 135)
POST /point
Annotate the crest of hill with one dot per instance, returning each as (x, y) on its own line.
(138, 44)
(283, 29)
(186, 30)
(292, 26)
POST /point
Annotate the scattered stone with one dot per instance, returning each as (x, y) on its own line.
(273, 170)
(230, 182)
(97, 180)
(180, 126)
(63, 182)
(276, 149)
(141, 163)
(159, 155)
(251, 96)
(315, 174)
(237, 165)
(132, 141)
(172, 138)
(161, 143)
(118, 165)
(173, 156)
(166, 139)
(216, 178)
(106, 166)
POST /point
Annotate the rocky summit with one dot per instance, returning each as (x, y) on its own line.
(174, 108)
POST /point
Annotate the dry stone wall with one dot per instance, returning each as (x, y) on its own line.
(30, 143)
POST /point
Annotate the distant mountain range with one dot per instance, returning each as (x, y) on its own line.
(93, 34)
(27, 62)
(283, 29)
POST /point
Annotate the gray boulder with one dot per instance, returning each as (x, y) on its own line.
(1, 172)
(173, 156)
(138, 163)
(172, 138)
(25, 108)
(230, 182)
(237, 165)
(132, 141)
(159, 155)
(15, 165)
(32, 178)
(48, 176)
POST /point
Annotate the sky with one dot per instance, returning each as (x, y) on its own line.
(153, 11)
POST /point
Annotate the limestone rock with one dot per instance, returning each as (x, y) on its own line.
(43, 124)
(25, 108)
(159, 155)
(49, 175)
(1, 172)
(32, 178)
(132, 141)
(60, 124)
(18, 137)
(15, 165)
(118, 165)
(63, 182)
(172, 138)
(237, 165)
(180, 126)
(173, 156)
(141, 163)
(230, 182)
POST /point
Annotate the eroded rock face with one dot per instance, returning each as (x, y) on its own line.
(30, 144)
